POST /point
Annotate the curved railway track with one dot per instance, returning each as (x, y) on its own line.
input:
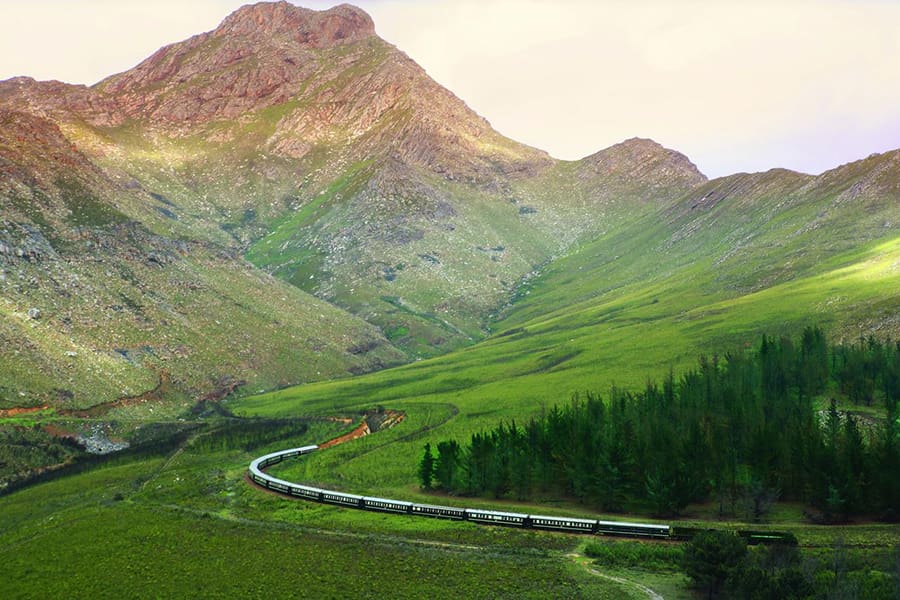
(258, 476)
(476, 515)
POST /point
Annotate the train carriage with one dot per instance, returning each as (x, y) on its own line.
(632, 529)
(440, 512)
(304, 491)
(562, 524)
(386, 505)
(754, 538)
(342, 499)
(494, 517)
(278, 485)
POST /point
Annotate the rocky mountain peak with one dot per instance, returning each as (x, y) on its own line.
(645, 159)
(259, 55)
(316, 29)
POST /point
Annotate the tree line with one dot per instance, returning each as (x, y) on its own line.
(742, 430)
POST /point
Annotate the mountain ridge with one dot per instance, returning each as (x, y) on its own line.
(299, 144)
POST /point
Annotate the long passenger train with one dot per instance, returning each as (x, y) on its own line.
(476, 515)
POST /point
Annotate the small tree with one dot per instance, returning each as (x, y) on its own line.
(426, 468)
(711, 558)
(447, 465)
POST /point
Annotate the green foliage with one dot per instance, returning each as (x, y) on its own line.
(711, 558)
(743, 430)
(250, 434)
(650, 556)
(868, 367)
(781, 571)
(85, 209)
(426, 468)
(447, 470)
(25, 450)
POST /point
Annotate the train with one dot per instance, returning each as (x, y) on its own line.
(478, 515)
(475, 515)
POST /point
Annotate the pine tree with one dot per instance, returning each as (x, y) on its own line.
(426, 468)
(447, 466)
(711, 558)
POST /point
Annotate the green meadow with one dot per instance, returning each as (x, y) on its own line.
(186, 523)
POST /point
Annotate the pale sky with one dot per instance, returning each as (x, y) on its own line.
(735, 85)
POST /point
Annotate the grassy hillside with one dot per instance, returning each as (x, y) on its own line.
(98, 298)
(741, 256)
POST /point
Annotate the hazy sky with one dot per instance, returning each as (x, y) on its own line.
(736, 85)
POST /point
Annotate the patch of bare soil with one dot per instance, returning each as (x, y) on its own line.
(375, 420)
(16, 410)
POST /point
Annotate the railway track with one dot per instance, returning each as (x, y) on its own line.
(257, 475)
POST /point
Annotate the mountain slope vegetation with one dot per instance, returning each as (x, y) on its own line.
(305, 143)
(738, 257)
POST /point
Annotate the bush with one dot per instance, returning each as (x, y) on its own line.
(646, 555)
(711, 558)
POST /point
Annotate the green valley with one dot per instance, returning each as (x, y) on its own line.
(263, 235)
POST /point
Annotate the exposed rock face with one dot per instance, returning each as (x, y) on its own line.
(644, 161)
(338, 25)
(59, 101)
(33, 148)
(259, 56)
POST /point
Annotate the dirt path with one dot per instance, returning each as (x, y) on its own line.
(98, 410)
(585, 563)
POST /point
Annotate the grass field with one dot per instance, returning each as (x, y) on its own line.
(188, 525)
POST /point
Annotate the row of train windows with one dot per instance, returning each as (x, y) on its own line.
(564, 524)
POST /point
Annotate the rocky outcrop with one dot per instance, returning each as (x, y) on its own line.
(315, 29)
(261, 55)
(60, 102)
(645, 162)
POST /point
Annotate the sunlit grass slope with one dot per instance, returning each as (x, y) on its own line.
(785, 252)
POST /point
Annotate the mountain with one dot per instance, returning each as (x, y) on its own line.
(289, 198)
(749, 252)
(323, 153)
(97, 306)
